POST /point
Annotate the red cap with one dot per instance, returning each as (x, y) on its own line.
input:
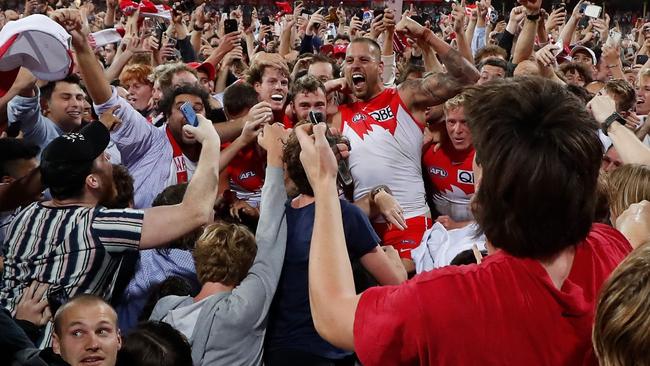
(206, 67)
(340, 49)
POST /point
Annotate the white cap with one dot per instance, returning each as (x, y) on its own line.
(37, 43)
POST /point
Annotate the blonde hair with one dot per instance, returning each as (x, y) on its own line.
(621, 327)
(454, 103)
(627, 185)
(224, 254)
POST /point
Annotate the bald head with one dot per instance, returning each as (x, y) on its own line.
(80, 301)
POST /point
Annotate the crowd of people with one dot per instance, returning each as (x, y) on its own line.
(305, 183)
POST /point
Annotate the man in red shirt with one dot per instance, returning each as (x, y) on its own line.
(449, 168)
(529, 302)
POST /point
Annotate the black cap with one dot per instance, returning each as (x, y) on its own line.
(83, 146)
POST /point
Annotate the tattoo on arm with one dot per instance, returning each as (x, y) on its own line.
(458, 67)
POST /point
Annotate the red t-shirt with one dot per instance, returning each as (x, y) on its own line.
(246, 170)
(505, 311)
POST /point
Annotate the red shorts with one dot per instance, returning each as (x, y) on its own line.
(404, 240)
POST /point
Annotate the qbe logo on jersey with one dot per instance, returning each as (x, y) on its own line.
(383, 114)
(465, 176)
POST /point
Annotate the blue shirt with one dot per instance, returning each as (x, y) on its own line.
(290, 323)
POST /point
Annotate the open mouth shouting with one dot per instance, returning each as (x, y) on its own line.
(358, 80)
(277, 97)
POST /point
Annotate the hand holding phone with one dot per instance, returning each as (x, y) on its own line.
(230, 26)
(189, 114)
(344, 175)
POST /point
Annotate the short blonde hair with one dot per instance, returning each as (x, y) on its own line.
(627, 185)
(454, 103)
(621, 327)
(224, 253)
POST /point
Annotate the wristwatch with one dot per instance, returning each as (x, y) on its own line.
(615, 117)
(381, 188)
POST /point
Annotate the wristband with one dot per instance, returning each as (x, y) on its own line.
(533, 16)
(615, 117)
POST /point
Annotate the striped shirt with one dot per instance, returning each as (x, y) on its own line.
(74, 247)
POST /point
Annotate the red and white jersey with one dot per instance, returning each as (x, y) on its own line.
(451, 174)
(386, 148)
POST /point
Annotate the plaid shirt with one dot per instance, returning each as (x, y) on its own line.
(75, 248)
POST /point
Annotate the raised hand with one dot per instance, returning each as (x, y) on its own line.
(317, 157)
(260, 113)
(634, 223)
(71, 20)
(410, 27)
(203, 132)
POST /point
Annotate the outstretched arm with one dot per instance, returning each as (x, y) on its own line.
(91, 71)
(457, 66)
(331, 286)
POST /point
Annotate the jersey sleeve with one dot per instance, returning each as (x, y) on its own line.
(118, 230)
(360, 237)
(387, 326)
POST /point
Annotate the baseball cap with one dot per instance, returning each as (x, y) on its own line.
(206, 67)
(339, 49)
(587, 50)
(37, 43)
(83, 146)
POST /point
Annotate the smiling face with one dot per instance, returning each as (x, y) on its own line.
(65, 106)
(363, 70)
(273, 88)
(88, 335)
(643, 96)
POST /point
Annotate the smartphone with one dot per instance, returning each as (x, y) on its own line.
(56, 297)
(583, 7)
(557, 5)
(359, 14)
(158, 32)
(344, 175)
(266, 21)
(189, 114)
(593, 11)
(397, 6)
(380, 12)
(641, 59)
(558, 47)
(247, 16)
(614, 38)
(230, 26)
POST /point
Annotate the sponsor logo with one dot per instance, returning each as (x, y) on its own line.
(383, 114)
(438, 171)
(465, 177)
(358, 117)
(246, 175)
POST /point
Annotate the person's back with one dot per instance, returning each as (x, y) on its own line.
(505, 306)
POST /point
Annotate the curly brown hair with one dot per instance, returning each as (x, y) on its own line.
(224, 253)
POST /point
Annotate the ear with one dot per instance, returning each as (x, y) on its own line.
(257, 86)
(119, 339)
(56, 346)
(92, 181)
(381, 67)
(45, 106)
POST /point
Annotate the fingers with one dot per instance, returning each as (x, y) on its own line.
(40, 291)
(397, 219)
